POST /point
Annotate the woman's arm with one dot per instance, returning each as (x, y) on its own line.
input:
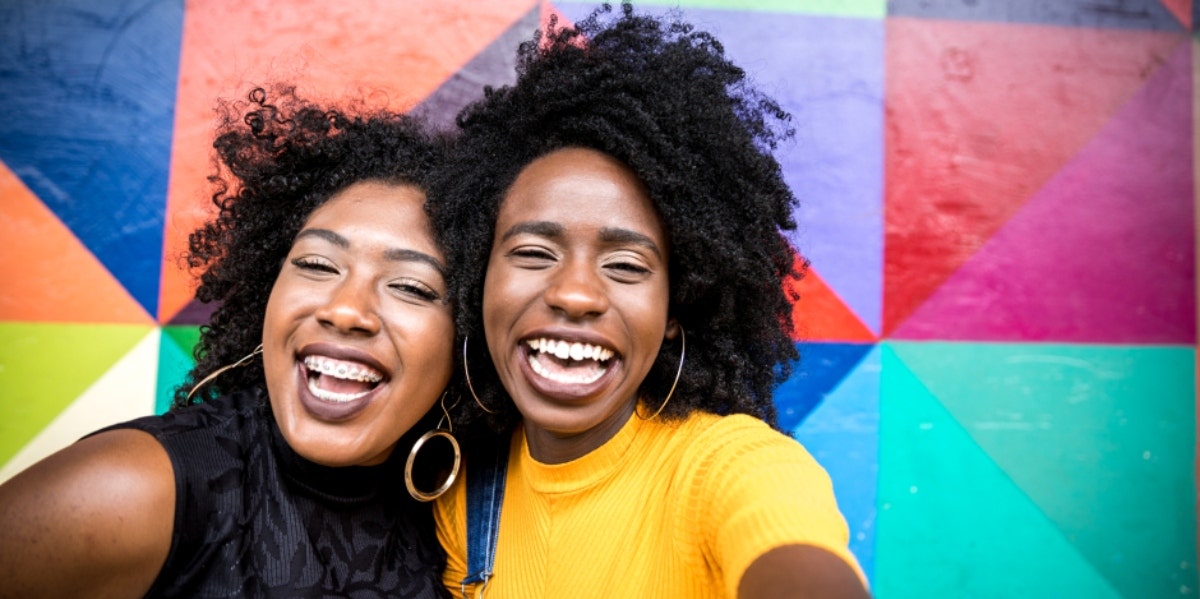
(94, 519)
(801, 571)
(771, 518)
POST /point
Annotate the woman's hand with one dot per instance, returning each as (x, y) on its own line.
(801, 571)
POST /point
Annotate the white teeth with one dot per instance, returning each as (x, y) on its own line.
(564, 350)
(331, 396)
(566, 377)
(350, 371)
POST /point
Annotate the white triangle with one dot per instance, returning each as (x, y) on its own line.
(126, 391)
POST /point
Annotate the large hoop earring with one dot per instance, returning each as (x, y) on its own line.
(471, 387)
(678, 371)
(212, 375)
(437, 432)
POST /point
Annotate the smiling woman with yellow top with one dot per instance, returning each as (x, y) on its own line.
(614, 218)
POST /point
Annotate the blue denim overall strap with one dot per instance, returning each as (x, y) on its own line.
(485, 494)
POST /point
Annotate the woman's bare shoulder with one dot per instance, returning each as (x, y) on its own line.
(97, 515)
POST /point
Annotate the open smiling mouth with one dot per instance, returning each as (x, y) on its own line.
(568, 363)
(339, 381)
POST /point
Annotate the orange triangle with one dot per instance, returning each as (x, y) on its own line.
(384, 54)
(820, 315)
(46, 273)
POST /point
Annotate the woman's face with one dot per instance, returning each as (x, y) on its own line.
(575, 299)
(357, 337)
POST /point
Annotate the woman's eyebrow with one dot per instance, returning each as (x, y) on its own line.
(391, 254)
(618, 235)
(325, 234)
(553, 230)
(540, 228)
(404, 255)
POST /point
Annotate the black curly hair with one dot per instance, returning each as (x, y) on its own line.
(278, 160)
(662, 98)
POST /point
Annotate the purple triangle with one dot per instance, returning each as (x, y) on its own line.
(494, 66)
(1104, 252)
(194, 313)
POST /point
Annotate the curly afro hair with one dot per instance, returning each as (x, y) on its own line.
(276, 162)
(662, 98)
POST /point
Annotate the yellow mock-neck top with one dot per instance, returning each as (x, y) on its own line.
(663, 509)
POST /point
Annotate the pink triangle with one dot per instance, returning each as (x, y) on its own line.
(1104, 252)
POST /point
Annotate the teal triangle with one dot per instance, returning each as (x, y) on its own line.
(174, 362)
(1102, 438)
(951, 523)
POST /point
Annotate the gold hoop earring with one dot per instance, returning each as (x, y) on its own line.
(467, 373)
(212, 375)
(436, 433)
(678, 371)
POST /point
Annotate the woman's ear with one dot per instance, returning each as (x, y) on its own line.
(672, 330)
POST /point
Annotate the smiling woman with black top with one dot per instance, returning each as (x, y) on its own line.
(287, 480)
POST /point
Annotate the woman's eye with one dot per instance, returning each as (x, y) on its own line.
(626, 269)
(415, 289)
(312, 264)
(532, 255)
(629, 267)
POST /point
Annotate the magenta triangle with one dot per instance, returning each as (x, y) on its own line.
(1104, 252)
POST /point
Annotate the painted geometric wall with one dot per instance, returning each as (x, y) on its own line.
(999, 333)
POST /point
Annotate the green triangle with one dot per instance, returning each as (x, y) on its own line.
(185, 337)
(46, 366)
(951, 523)
(876, 9)
(174, 362)
(1102, 438)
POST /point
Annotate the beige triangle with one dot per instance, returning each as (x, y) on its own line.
(124, 392)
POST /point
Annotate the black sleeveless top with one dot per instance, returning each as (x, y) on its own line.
(254, 519)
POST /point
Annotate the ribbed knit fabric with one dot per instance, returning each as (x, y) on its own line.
(253, 518)
(661, 510)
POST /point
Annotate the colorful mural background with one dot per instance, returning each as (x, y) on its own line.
(999, 332)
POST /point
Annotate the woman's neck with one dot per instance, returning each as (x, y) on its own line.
(556, 447)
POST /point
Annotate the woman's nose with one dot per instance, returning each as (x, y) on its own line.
(577, 291)
(351, 308)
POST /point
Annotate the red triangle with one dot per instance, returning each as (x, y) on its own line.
(1104, 252)
(387, 54)
(979, 117)
(820, 315)
(46, 273)
(1182, 9)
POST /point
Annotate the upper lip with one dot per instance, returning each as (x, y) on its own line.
(342, 352)
(572, 336)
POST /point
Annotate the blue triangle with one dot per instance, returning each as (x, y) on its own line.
(842, 433)
(822, 366)
(87, 90)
